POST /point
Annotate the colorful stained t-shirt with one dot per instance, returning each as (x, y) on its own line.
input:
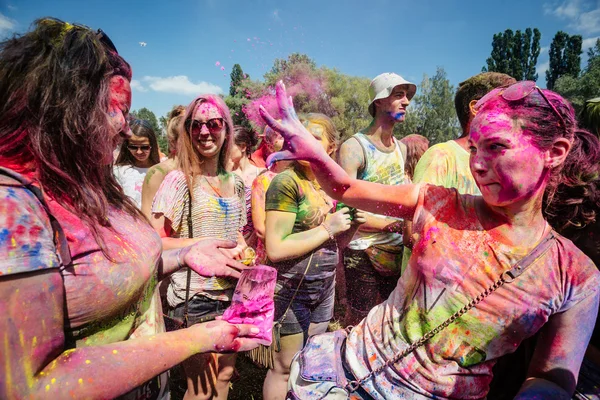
(454, 260)
(382, 167)
(131, 180)
(212, 217)
(444, 164)
(290, 191)
(107, 300)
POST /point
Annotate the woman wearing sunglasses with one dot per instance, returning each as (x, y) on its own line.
(138, 153)
(79, 264)
(202, 199)
(486, 271)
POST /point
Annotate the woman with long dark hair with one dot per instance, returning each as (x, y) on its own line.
(486, 271)
(78, 261)
(138, 153)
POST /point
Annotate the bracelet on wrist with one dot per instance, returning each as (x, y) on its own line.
(179, 263)
(328, 230)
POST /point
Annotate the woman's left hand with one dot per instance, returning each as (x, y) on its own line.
(207, 258)
(299, 143)
(360, 217)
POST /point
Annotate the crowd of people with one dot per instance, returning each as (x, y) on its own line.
(441, 262)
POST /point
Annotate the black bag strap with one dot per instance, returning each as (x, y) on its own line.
(189, 271)
(60, 240)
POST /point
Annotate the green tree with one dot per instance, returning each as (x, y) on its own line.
(587, 86)
(432, 112)
(515, 53)
(565, 57)
(237, 76)
(147, 115)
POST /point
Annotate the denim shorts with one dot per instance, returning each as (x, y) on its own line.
(313, 304)
(200, 309)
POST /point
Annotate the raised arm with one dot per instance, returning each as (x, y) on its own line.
(398, 201)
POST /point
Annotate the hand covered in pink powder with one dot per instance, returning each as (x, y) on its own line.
(207, 259)
(299, 143)
(223, 337)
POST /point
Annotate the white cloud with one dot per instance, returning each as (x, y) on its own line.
(541, 70)
(11, 7)
(544, 49)
(180, 84)
(589, 42)
(6, 24)
(137, 85)
(584, 19)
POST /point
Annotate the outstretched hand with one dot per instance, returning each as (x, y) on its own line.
(299, 143)
(206, 259)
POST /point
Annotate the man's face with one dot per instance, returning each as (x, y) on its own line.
(394, 106)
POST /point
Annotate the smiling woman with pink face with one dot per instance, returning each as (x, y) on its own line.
(79, 264)
(515, 278)
(201, 199)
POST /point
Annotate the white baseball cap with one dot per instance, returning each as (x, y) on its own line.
(382, 86)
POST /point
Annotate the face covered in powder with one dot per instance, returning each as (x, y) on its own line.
(318, 132)
(118, 109)
(395, 104)
(207, 129)
(508, 168)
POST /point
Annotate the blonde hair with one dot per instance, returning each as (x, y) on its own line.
(332, 134)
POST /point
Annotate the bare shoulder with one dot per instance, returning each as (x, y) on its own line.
(350, 156)
(157, 173)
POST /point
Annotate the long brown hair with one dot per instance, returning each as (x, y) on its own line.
(189, 159)
(54, 122)
(141, 128)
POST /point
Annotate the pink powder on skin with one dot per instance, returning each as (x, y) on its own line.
(506, 165)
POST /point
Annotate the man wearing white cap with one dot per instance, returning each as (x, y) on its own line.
(373, 258)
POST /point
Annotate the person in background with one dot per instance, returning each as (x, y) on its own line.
(244, 142)
(303, 236)
(372, 260)
(157, 173)
(138, 153)
(259, 193)
(201, 199)
(416, 145)
(78, 261)
(268, 145)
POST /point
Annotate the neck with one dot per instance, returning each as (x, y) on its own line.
(521, 222)
(463, 142)
(142, 164)
(307, 171)
(210, 166)
(243, 164)
(382, 127)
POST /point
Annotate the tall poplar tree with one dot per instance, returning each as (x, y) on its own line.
(515, 53)
(565, 57)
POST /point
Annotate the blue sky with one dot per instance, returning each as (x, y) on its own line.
(186, 39)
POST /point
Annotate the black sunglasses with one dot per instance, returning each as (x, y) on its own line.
(104, 39)
(144, 147)
(214, 125)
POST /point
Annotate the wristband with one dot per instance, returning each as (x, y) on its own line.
(328, 231)
(179, 264)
